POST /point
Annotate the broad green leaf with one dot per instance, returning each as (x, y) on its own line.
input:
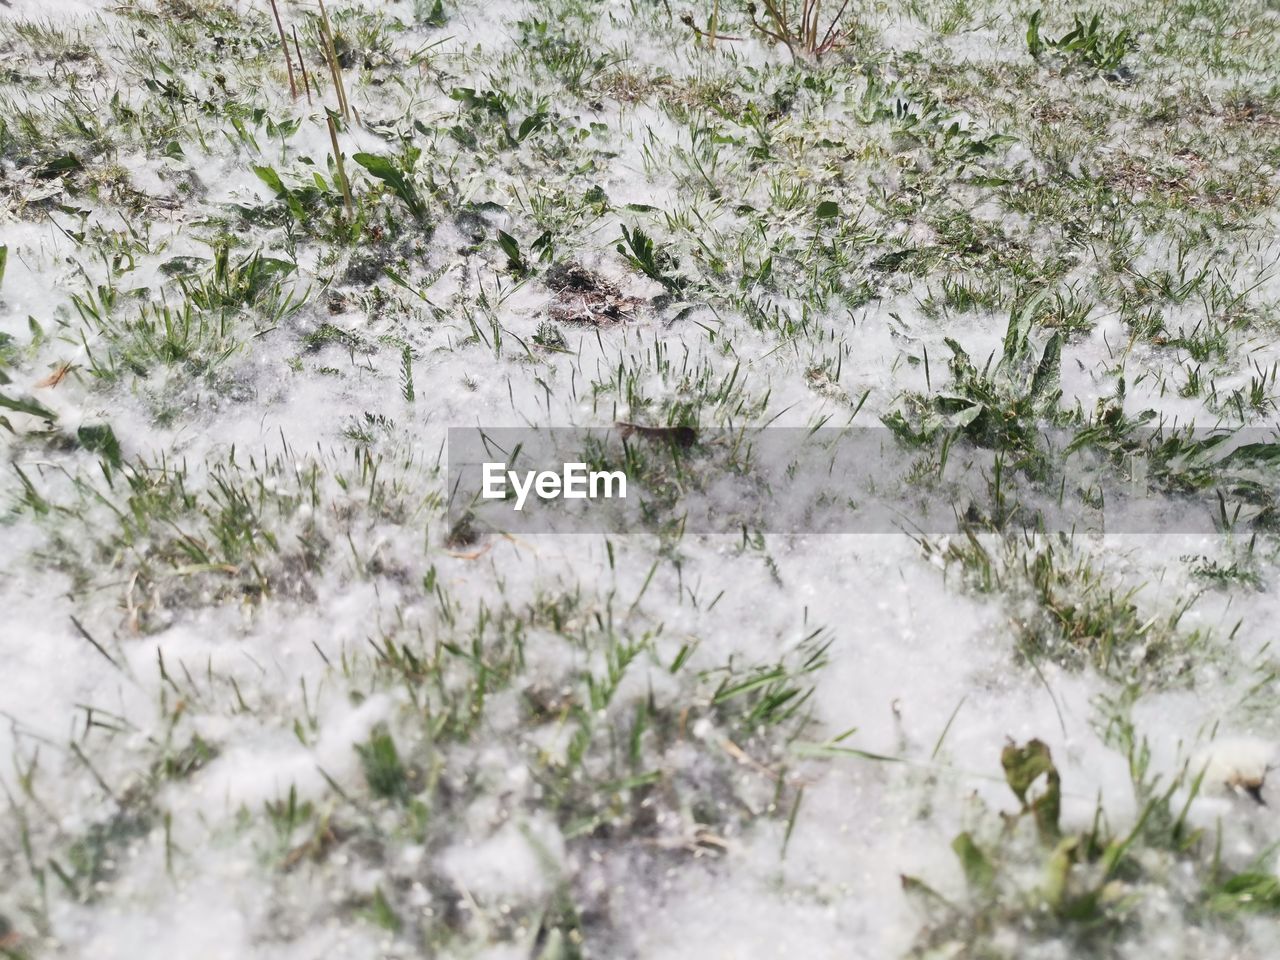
(59, 165)
(27, 405)
(978, 872)
(1046, 375)
(272, 179)
(388, 173)
(1024, 766)
(99, 438)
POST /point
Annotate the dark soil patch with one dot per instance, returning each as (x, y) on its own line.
(585, 297)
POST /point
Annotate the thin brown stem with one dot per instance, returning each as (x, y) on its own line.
(832, 37)
(337, 159)
(335, 68)
(306, 81)
(284, 48)
(783, 34)
(687, 20)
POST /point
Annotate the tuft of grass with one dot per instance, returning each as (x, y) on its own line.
(383, 771)
(1085, 888)
(396, 176)
(804, 28)
(1087, 43)
(406, 375)
(638, 249)
(1064, 609)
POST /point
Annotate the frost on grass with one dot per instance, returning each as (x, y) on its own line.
(260, 699)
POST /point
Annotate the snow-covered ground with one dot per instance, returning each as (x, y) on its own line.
(260, 697)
